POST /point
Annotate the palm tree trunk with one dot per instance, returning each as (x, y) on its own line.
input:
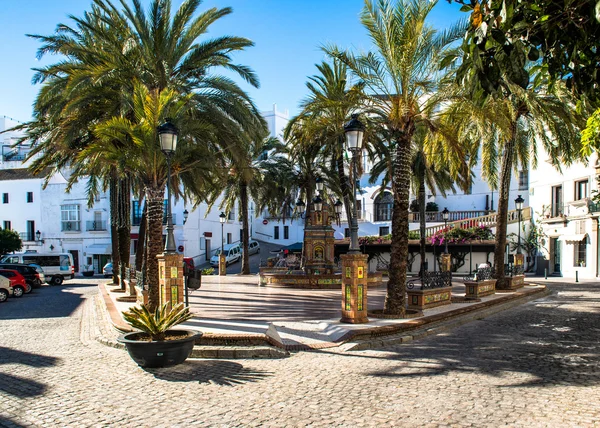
(124, 228)
(113, 189)
(245, 234)
(502, 216)
(395, 301)
(422, 223)
(141, 246)
(154, 201)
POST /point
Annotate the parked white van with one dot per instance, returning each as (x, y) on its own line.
(233, 253)
(57, 266)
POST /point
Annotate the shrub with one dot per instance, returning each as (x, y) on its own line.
(156, 324)
(207, 271)
(431, 206)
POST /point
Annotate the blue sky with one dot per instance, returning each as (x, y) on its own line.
(287, 35)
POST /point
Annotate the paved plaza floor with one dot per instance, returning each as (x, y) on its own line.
(537, 364)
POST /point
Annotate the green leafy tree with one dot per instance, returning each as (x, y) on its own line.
(10, 241)
(560, 36)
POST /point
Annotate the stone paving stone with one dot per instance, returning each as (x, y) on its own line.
(534, 365)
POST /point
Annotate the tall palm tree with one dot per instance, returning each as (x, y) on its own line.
(107, 56)
(400, 75)
(331, 100)
(507, 131)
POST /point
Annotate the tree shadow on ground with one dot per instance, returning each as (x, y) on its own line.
(19, 386)
(9, 356)
(217, 372)
(543, 344)
(6, 422)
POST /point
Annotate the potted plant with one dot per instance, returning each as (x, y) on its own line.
(155, 345)
(88, 270)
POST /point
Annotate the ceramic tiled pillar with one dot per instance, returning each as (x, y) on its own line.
(354, 288)
(170, 278)
(446, 263)
(222, 264)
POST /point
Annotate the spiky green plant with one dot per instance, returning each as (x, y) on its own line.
(156, 323)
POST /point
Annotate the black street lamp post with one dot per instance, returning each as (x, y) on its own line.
(167, 133)
(222, 219)
(519, 206)
(354, 131)
(445, 216)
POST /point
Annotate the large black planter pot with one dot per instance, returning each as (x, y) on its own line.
(165, 353)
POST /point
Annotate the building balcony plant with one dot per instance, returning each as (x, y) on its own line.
(155, 344)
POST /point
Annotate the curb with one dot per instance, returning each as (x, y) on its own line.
(249, 346)
(449, 323)
(259, 346)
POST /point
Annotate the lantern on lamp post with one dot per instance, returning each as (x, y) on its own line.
(354, 131)
(167, 134)
(519, 206)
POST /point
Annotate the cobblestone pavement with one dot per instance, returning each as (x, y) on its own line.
(535, 365)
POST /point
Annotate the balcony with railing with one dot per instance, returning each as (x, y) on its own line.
(436, 216)
(70, 226)
(95, 226)
(26, 236)
(137, 219)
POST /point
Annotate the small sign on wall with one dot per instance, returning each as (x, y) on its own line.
(361, 272)
(173, 272)
(348, 272)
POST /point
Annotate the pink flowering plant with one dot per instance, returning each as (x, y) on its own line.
(457, 235)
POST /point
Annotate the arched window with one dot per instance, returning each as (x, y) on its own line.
(383, 206)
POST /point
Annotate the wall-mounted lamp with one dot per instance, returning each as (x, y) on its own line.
(38, 237)
(185, 216)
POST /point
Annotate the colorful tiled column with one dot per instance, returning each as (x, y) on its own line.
(170, 278)
(222, 264)
(354, 288)
(446, 263)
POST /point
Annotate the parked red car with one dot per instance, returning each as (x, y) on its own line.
(17, 282)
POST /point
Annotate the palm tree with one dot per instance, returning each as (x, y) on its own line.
(400, 75)
(428, 171)
(507, 130)
(332, 99)
(107, 57)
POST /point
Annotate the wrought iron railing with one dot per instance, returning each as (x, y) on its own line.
(430, 280)
(481, 274)
(140, 279)
(514, 270)
(95, 226)
(26, 236)
(71, 226)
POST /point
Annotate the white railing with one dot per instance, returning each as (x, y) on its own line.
(485, 220)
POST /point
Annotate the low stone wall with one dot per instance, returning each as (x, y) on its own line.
(322, 282)
(429, 298)
(477, 289)
(514, 282)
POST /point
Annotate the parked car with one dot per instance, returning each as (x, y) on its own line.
(40, 272)
(31, 274)
(233, 253)
(17, 282)
(5, 289)
(253, 247)
(107, 270)
(57, 266)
